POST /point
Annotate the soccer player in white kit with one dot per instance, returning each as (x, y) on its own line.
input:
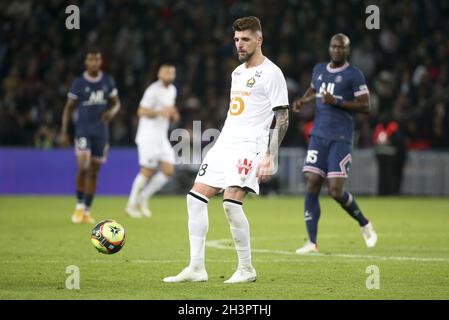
(243, 155)
(156, 155)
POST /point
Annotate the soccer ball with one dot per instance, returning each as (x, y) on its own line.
(108, 236)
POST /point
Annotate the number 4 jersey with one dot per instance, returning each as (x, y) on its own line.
(346, 83)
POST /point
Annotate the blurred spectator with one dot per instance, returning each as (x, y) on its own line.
(405, 62)
(391, 155)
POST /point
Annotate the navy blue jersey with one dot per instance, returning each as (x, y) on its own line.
(346, 83)
(92, 95)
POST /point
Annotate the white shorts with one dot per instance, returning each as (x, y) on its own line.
(227, 165)
(153, 152)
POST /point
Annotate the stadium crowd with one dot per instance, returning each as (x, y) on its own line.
(405, 62)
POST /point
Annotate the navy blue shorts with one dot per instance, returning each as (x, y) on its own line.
(328, 158)
(95, 146)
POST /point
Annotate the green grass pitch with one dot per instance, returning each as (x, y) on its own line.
(39, 242)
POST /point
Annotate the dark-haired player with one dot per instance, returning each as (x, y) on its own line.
(340, 90)
(243, 155)
(95, 96)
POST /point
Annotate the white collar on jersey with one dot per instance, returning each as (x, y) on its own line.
(93, 79)
(335, 70)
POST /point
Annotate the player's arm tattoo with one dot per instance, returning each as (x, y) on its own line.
(277, 134)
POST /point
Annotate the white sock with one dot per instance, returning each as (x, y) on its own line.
(198, 226)
(239, 226)
(154, 185)
(138, 185)
(80, 206)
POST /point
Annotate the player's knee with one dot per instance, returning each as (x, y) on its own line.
(314, 182)
(235, 193)
(168, 171)
(92, 173)
(335, 192)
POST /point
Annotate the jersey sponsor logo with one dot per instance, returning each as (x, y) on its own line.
(251, 82)
(96, 97)
(236, 106)
(240, 93)
(329, 88)
(244, 166)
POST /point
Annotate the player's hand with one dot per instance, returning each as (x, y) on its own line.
(175, 117)
(327, 98)
(265, 169)
(298, 104)
(64, 140)
(106, 116)
(167, 112)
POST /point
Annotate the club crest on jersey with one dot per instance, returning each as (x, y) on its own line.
(245, 166)
(338, 79)
(250, 83)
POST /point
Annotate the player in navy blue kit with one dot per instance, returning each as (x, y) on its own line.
(339, 90)
(95, 96)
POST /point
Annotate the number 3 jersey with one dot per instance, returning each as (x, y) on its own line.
(346, 83)
(92, 95)
(254, 93)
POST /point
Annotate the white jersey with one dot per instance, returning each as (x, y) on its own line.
(156, 97)
(254, 93)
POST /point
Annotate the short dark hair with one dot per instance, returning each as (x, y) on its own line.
(247, 23)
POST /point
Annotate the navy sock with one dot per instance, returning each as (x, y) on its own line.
(79, 196)
(348, 203)
(88, 198)
(312, 215)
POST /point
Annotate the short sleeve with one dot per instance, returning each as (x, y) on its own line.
(74, 91)
(112, 88)
(312, 85)
(359, 86)
(149, 98)
(276, 89)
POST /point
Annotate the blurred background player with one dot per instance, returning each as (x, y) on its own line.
(95, 96)
(156, 155)
(243, 155)
(339, 90)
